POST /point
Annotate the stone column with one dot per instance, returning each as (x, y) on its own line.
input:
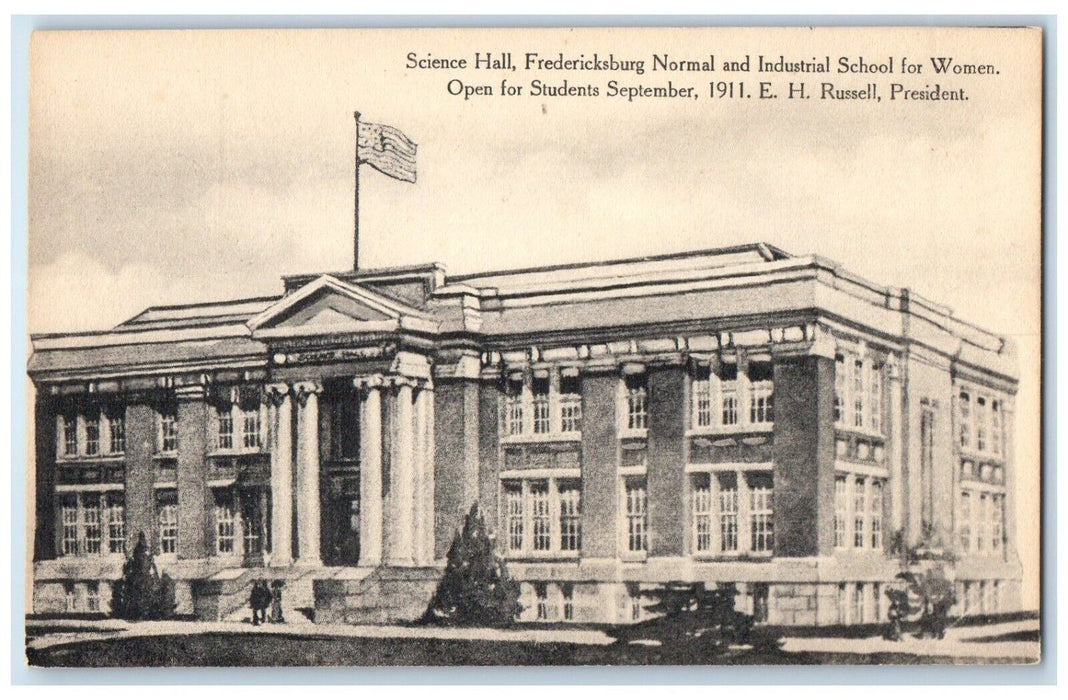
(281, 474)
(401, 507)
(195, 506)
(423, 498)
(307, 394)
(897, 417)
(370, 469)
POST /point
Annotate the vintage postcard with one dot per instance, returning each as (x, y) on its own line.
(685, 346)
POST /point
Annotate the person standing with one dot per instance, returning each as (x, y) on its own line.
(276, 601)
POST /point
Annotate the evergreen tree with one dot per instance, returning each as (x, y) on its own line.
(475, 588)
(141, 593)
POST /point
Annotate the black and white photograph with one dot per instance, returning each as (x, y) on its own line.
(527, 347)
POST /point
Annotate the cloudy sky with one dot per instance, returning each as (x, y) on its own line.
(182, 166)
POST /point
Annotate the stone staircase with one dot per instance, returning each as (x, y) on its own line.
(322, 594)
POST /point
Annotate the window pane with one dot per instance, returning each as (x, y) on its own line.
(116, 523)
(91, 532)
(541, 516)
(513, 508)
(728, 512)
(570, 517)
(637, 523)
(92, 435)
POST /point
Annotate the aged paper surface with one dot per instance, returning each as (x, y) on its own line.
(810, 377)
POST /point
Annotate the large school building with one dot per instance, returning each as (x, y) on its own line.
(734, 416)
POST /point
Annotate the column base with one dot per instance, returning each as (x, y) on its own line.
(279, 562)
(308, 563)
(368, 563)
(400, 562)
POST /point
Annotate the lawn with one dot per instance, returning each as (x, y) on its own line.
(284, 650)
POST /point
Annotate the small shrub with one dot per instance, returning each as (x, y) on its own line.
(141, 593)
(691, 617)
(475, 588)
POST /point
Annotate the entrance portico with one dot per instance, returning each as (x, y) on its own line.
(323, 338)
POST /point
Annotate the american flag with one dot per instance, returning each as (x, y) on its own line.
(387, 150)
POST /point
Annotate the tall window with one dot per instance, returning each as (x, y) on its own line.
(728, 391)
(116, 519)
(224, 433)
(167, 517)
(168, 430)
(549, 403)
(876, 514)
(761, 391)
(981, 418)
(701, 496)
(858, 511)
(92, 434)
(116, 432)
(570, 517)
(728, 512)
(984, 520)
(637, 402)
(964, 529)
(637, 514)
(841, 381)
(875, 398)
(225, 525)
(91, 526)
(513, 503)
(570, 402)
(860, 502)
(701, 389)
(997, 524)
(858, 392)
(995, 427)
(70, 435)
(250, 433)
(965, 412)
(542, 515)
(760, 513)
(513, 406)
(540, 401)
(69, 519)
(841, 510)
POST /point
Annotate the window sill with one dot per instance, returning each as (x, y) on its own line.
(172, 454)
(634, 557)
(526, 438)
(630, 433)
(708, 557)
(91, 459)
(976, 455)
(542, 556)
(859, 432)
(730, 429)
(238, 452)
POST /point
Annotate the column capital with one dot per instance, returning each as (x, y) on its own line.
(276, 393)
(893, 368)
(368, 382)
(305, 389)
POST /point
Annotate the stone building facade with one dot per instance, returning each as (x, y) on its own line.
(738, 416)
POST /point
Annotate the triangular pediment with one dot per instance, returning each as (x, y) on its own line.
(329, 305)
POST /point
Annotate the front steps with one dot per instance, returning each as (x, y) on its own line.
(352, 595)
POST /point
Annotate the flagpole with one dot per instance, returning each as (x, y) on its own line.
(356, 201)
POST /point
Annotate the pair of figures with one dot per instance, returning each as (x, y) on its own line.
(263, 597)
